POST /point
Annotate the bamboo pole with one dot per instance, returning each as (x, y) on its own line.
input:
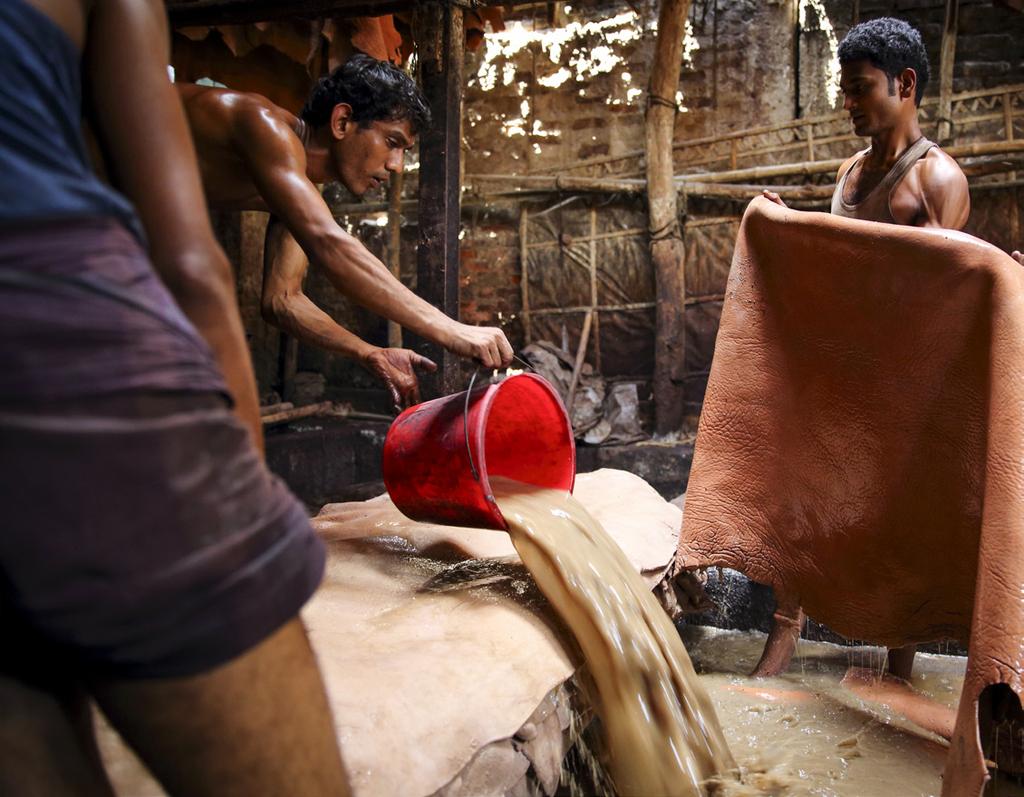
(705, 184)
(560, 183)
(307, 411)
(625, 308)
(601, 236)
(838, 116)
(668, 254)
(524, 272)
(593, 288)
(581, 354)
(947, 57)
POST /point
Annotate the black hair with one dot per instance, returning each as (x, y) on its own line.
(376, 90)
(891, 45)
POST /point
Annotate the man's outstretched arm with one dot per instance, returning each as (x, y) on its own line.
(286, 306)
(276, 161)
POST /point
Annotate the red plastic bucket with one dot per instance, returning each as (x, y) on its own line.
(518, 428)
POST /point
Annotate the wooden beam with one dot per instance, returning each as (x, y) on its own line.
(184, 13)
(667, 251)
(438, 30)
(946, 59)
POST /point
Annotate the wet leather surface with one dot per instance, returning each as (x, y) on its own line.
(861, 446)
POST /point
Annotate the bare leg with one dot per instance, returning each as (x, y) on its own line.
(901, 661)
(897, 695)
(787, 623)
(47, 745)
(257, 726)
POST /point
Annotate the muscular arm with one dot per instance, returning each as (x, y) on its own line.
(275, 159)
(286, 306)
(945, 198)
(142, 128)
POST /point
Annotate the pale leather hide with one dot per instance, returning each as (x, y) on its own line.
(425, 661)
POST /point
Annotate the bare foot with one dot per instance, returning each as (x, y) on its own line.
(771, 694)
(900, 697)
(1017, 255)
(773, 197)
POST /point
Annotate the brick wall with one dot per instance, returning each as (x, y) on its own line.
(751, 67)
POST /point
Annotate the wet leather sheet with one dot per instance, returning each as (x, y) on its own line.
(434, 642)
(861, 446)
(423, 668)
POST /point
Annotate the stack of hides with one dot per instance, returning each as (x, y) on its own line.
(443, 662)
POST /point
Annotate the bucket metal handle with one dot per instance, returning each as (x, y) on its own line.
(465, 412)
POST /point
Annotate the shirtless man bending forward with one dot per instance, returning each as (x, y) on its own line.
(355, 128)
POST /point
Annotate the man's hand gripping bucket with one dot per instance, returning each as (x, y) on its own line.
(439, 455)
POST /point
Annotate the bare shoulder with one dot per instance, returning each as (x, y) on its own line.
(222, 113)
(937, 169)
(228, 102)
(942, 187)
(847, 165)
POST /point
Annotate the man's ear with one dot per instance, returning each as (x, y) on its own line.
(341, 120)
(908, 84)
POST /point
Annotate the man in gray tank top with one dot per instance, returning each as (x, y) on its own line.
(902, 178)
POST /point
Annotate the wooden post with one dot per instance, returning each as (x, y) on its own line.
(524, 273)
(439, 35)
(593, 288)
(667, 252)
(395, 247)
(287, 364)
(948, 56)
(581, 355)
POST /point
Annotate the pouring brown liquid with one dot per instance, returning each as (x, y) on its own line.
(662, 734)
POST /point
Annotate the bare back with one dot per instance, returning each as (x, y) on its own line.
(223, 122)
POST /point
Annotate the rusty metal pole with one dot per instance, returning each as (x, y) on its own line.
(667, 250)
(438, 28)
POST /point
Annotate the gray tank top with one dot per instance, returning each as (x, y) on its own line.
(875, 206)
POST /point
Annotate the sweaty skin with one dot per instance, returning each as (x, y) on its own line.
(259, 724)
(933, 193)
(254, 155)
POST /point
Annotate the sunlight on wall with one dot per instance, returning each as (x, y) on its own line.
(831, 68)
(580, 51)
(583, 63)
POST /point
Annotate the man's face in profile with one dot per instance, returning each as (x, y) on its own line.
(367, 154)
(871, 97)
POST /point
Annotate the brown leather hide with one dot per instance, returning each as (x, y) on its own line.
(282, 59)
(861, 447)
